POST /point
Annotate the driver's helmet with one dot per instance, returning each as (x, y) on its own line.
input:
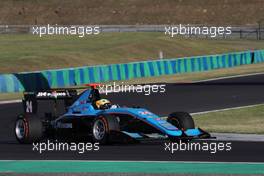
(103, 104)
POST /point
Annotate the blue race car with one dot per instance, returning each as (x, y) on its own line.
(88, 116)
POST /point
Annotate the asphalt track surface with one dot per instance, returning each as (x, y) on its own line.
(196, 97)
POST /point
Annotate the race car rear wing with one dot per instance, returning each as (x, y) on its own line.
(69, 95)
(30, 100)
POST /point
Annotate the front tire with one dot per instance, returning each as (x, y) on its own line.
(181, 120)
(28, 128)
(102, 128)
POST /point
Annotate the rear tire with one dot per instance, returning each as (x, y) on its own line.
(181, 120)
(28, 128)
(102, 128)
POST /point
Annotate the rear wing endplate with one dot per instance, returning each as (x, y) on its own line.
(30, 100)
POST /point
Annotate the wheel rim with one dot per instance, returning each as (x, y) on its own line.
(20, 129)
(99, 129)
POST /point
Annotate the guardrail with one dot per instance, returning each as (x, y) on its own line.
(42, 80)
(241, 32)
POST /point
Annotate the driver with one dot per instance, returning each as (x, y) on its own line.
(103, 104)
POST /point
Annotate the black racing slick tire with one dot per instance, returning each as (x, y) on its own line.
(28, 128)
(102, 128)
(181, 120)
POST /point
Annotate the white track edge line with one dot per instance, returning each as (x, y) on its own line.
(226, 109)
(229, 77)
(10, 101)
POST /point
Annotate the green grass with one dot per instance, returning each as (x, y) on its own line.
(245, 120)
(29, 53)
